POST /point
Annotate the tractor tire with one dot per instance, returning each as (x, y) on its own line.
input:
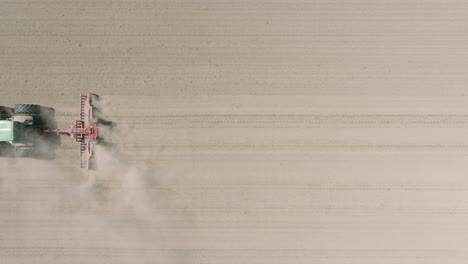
(5, 112)
(27, 109)
(23, 152)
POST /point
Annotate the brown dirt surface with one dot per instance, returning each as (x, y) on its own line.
(248, 131)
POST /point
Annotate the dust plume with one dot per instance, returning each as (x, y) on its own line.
(119, 207)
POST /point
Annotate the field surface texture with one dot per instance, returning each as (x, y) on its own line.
(249, 131)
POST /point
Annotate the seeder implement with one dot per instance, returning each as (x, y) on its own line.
(86, 130)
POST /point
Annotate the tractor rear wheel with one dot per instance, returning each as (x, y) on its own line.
(27, 109)
(23, 152)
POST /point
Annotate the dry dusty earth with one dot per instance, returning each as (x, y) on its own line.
(248, 131)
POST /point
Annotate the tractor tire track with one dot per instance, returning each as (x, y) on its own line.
(285, 121)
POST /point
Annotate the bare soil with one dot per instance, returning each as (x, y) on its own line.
(248, 131)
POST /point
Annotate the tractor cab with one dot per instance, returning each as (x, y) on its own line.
(24, 132)
(12, 132)
(6, 131)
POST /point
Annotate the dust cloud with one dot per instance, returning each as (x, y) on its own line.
(121, 201)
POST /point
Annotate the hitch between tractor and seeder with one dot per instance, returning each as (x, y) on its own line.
(86, 130)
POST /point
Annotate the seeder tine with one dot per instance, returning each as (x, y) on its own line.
(83, 99)
(83, 154)
(82, 147)
(83, 163)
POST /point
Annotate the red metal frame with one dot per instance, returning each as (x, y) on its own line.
(85, 130)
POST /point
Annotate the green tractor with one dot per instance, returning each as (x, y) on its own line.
(23, 131)
(30, 131)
